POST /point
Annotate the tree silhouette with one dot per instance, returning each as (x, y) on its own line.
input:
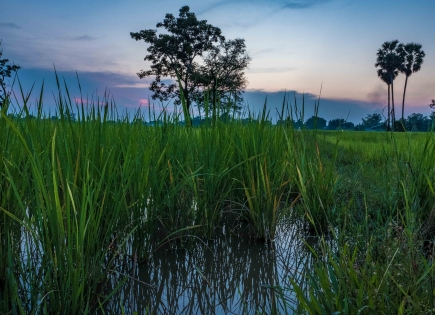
(384, 76)
(413, 59)
(172, 55)
(222, 75)
(340, 123)
(5, 72)
(315, 122)
(432, 105)
(418, 122)
(389, 62)
(372, 120)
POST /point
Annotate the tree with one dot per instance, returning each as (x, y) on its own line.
(315, 122)
(371, 120)
(432, 105)
(222, 75)
(172, 55)
(389, 61)
(384, 76)
(418, 122)
(5, 72)
(340, 123)
(287, 122)
(432, 121)
(413, 59)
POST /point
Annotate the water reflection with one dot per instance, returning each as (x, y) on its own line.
(230, 274)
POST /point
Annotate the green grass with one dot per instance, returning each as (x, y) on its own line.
(79, 195)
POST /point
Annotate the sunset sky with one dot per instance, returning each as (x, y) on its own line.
(295, 45)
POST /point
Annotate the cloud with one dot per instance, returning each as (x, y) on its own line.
(303, 4)
(260, 11)
(260, 52)
(156, 110)
(144, 102)
(271, 70)
(352, 110)
(377, 95)
(283, 4)
(84, 38)
(132, 85)
(9, 25)
(88, 102)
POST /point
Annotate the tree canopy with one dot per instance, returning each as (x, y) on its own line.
(372, 120)
(388, 62)
(6, 71)
(175, 54)
(315, 122)
(222, 76)
(394, 58)
(340, 123)
(412, 59)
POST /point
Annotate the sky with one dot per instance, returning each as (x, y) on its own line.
(298, 47)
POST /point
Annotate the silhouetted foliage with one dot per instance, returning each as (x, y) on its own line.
(222, 76)
(372, 122)
(412, 56)
(340, 123)
(288, 122)
(5, 72)
(315, 122)
(418, 122)
(172, 55)
(389, 62)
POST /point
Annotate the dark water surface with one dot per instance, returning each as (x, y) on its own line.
(229, 274)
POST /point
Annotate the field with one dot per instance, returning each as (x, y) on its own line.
(80, 196)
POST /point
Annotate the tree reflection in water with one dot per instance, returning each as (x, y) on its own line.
(226, 275)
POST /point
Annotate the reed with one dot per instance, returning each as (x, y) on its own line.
(96, 188)
(381, 260)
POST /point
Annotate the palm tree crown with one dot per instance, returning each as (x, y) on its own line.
(389, 62)
(412, 56)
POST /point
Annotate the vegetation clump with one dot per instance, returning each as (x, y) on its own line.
(100, 190)
(88, 190)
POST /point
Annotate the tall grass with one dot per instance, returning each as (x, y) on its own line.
(385, 241)
(79, 196)
(103, 187)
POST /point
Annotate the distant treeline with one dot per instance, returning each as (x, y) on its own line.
(372, 122)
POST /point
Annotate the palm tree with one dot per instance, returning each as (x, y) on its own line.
(384, 76)
(389, 62)
(413, 59)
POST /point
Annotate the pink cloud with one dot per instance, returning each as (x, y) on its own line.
(144, 102)
(79, 101)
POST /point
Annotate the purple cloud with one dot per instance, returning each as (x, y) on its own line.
(9, 25)
(85, 38)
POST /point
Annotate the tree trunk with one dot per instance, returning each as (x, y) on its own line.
(214, 94)
(185, 90)
(389, 110)
(393, 113)
(3, 91)
(403, 101)
(186, 97)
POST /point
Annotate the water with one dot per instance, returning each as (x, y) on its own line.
(230, 274)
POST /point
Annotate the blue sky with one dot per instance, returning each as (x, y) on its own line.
(295, 45)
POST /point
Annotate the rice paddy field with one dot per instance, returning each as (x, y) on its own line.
(107, 215)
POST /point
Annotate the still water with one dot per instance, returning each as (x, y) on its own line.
(229, 274)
